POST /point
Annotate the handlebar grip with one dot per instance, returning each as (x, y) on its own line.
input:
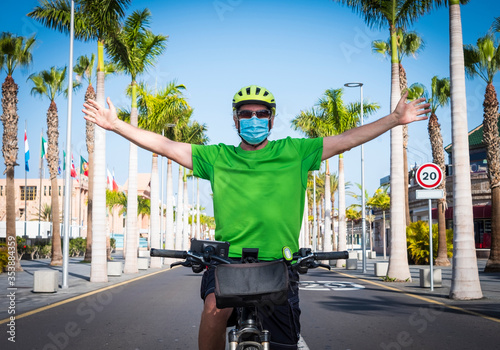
(168, 253)
(331, 255)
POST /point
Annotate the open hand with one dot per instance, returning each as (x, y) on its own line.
(406, 113)
(99, 115)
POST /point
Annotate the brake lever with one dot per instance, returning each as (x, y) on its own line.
(325, 266)
(177, 263)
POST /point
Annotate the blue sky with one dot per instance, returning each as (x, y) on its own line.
(297, 49)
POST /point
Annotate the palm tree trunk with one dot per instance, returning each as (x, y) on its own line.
(169, 241)
(403, 85)
(198, 236)
(155, 212)
(132, 231)
(491, 139)
(465, 277)
(185, 221)
(52, 160)
(370, 233)
(89, 132)
(98, 267)
(334, 234)
(438, 158)
(493, 263)
(9, 150)
(384, 241)
(304, 230)
(398, 260)
(327, 239)
(178, 213)
(342, 222)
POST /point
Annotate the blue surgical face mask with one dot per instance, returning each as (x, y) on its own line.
(254, 130)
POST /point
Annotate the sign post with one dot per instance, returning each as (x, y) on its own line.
(429, 176)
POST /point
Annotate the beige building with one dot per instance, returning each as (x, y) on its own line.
(35, 194)
(38, 195)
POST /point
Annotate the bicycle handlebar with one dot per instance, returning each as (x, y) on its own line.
(330, 255)
(168, 253)
(182, 254)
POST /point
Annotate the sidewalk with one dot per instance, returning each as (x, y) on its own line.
(79, 283)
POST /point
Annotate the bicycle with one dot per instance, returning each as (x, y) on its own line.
(249, 286)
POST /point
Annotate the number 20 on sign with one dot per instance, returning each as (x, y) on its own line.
(429, 175)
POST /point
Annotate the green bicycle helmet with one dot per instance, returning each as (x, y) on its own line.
(254, 94)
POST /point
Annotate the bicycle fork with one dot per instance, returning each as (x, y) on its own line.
(248, 335)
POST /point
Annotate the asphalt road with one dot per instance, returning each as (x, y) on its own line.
(338, 312)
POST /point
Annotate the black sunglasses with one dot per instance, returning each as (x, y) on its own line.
(262, 114)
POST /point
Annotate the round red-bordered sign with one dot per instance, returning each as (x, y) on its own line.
(429, 176)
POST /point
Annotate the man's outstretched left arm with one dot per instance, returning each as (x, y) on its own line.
(404, 113)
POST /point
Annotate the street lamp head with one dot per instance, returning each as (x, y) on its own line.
(353, 84)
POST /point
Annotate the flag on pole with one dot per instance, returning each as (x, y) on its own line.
(84, 167)
(44, 149)
(73, 169)
(26, 152)
(110, 181)
(115, 185)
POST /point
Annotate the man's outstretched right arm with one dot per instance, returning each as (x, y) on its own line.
(107, 119)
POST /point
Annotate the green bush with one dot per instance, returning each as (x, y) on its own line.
(4, 256)
(45, 251)
(77, 246)
(417, 242)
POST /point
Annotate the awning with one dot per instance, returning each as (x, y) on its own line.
(478, 212)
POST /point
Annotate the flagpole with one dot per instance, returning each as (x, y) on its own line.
(40, 197)
(68, 147)
(80, 198)
(25, 180)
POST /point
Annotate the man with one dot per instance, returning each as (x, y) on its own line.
(259, 190)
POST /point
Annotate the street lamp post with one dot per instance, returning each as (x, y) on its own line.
(363, 199)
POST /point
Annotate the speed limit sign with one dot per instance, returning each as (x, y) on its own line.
(429, 175)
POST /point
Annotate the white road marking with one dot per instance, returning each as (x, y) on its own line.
(329, 285)
(302, 344)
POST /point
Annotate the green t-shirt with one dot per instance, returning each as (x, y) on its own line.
(259, 195)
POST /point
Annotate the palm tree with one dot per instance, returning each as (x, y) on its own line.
(352, 214)
(134, 48)
(167, 112)
(382, 201)
(483, 61)
(93, 20)
(367, 207)
(332, 117)
(394, 14)
(83, 68)
(14, 51)
(440, 97)
(465, 277)
(154, 219)
(51, 84)
(409, 44)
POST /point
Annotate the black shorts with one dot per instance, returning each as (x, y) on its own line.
(281, 320)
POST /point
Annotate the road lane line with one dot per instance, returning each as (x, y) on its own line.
(69, 300)
(432, 301)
